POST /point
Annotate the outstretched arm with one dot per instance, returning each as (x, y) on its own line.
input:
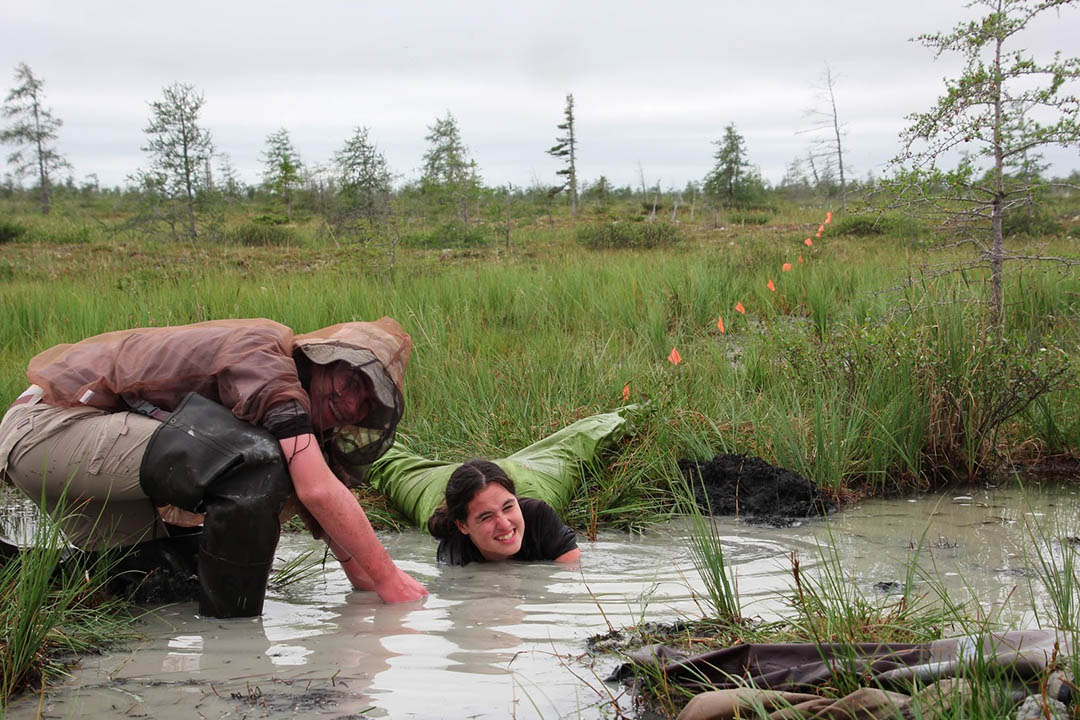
(347, 529)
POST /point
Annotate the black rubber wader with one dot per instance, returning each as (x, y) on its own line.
(203, 459)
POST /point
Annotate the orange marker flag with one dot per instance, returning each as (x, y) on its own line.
(771, 286)
(626, 392)
(800, 258)
(720, 323)
(674, 357)
(740, 308)
(828, 217)
(808, 242)
(820, 230)
(786, 267)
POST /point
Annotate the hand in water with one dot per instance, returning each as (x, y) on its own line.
(400, 587)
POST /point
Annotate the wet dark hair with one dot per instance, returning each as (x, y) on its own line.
(465, 482)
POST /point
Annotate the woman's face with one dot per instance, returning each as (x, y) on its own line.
(338, 396)
(494, 523)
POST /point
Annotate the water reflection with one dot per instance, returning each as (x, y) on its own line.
(496, 641)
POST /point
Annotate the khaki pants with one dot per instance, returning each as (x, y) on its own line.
(87, 462)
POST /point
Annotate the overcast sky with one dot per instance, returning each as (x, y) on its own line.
(654, 83)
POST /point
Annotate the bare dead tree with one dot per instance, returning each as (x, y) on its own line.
(509, 189)
(827, 133)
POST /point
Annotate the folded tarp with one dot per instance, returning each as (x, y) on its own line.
(547, 470)
(731, 681)
(802, 666)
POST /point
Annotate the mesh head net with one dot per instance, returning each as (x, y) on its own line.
(352, 448)
(379, 351)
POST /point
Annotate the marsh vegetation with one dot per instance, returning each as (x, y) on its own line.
(867, 366)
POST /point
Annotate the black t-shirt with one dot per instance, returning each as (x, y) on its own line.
(545, 538)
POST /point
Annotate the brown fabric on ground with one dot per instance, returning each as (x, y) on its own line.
(1021, 655)
(781, 681)
(782, 666)
(933, 702)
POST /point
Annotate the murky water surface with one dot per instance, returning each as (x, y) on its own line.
(498, 641)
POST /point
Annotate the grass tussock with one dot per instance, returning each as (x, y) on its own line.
(628, 235)
(53, 609)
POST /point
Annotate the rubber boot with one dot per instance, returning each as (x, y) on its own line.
(205, 460)
(229, 589)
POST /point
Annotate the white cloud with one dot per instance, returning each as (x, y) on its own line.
(654, 84)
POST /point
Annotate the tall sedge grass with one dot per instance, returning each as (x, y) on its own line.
(707, 552)
(854, 387)
(52, 609)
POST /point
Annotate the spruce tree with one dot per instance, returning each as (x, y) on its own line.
(34, 131)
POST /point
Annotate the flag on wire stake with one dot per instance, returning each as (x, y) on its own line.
(720, 324)
(786, 267)
(739, 308)
(771, 286)
(674, 357)
(626, 392)
(808, 242)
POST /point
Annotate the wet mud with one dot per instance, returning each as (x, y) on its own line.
(753, 490)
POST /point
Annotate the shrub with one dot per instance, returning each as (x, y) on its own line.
(616, 235)
(254, 234)
(748, 218)
(10, 231)
(73, 235)
(269, 220)
(897, 226)
(60, 233)
(452, 234)
(1033, 221)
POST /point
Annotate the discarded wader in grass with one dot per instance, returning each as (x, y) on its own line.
(204, 460)
(547, 470)
(781, 681)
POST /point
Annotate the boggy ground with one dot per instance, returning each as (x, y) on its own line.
(753, 489)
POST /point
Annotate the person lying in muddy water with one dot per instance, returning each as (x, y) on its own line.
(483, 520)
(199, 440)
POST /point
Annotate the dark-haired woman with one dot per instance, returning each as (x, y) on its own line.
(483, 520)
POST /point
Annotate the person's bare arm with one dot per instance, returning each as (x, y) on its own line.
(345, 524)
(569, 556)
(356, 574)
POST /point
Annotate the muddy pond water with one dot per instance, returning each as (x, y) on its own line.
(500, 641)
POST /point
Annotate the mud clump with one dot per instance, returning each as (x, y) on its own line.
(754, 490)
(162, 586)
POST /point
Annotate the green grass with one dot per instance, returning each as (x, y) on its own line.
(52, 609)
(858, 386)
(866, 369)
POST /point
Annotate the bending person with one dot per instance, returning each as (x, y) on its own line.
(226, 425)
(483, 520)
